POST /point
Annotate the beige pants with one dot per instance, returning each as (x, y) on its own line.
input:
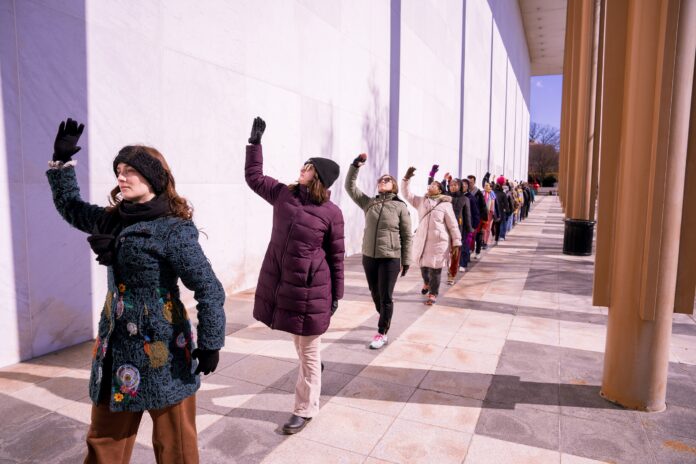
(111, 435)
(308, 387)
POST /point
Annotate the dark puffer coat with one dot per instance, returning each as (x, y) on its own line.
(143, 322)
(475, 214)
(302, 271)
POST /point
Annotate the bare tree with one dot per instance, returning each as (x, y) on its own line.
(545, 135)
(543, 159)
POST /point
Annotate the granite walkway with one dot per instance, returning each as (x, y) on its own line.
(505, 369)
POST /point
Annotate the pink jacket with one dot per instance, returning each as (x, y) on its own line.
(437, 229)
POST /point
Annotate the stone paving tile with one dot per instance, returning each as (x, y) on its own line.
(457, 383)
(36, 435)
(675, 422)
(477, 343)
(467, 361)
(443, 410)
(486, 450)
(298, 449)
(56, 392)
(221, 394)
(670, 449)
(531, 427)
(374, 395)
(512, 353)
(411, 442)
(347, 428)
(531, 362)
(260, 370)
(597, 439)
(396, 370)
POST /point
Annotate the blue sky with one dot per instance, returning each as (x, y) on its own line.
(546, 100)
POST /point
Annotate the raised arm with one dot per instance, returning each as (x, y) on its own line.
(406, 189)
(266, 187)
(433, 171)
(351, 184)
(63, 181)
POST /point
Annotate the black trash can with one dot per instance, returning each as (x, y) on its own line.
(577, 238)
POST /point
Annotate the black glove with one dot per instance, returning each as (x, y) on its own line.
(334, 306)
(404, 270)
(257, 129)
(409, 173)
(65, 145)
(103, 246)
(359, 160)
(207, 360)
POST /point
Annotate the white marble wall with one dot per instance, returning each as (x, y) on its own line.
(431, 37)
(188, 79)
(495, 122)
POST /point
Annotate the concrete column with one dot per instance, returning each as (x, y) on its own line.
(577, 145)
(610, 118)
(686, 274)
(652, 158)
(566, 116)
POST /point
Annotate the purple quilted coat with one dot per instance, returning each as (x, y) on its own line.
(302, 271)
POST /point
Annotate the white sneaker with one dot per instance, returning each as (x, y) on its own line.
(378, 341)
(462, 268)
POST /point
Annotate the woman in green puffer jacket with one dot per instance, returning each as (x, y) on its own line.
(386, 246)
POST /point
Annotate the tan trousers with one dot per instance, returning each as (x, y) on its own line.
(111, 435)
(308, 386)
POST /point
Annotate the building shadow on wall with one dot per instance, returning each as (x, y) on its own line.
(375, 127)
(44, 80)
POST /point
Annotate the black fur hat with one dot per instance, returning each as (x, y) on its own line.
(148, 166)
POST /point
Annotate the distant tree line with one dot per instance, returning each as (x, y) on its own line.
(544, 146)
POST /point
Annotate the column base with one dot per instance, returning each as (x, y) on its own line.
(577, 238)
(636, 407)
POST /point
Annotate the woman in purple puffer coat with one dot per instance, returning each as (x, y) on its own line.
(301, 278)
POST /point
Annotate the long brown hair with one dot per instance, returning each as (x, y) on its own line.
(318, 193)
(179, 205)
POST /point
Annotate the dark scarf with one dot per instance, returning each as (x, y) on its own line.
(103, 240)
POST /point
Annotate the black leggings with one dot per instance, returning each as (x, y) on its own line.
(381, 276)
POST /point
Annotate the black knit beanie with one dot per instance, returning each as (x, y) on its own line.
(148, 166)
(327, 170)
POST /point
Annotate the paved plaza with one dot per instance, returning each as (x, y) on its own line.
(505, 368)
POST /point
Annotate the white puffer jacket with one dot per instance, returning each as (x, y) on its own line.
(437, 229)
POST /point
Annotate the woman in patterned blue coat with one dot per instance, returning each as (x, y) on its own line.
(145, 356)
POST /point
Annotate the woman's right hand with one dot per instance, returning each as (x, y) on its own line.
(65, 145)
(360, 160)
(257, 129)
(410, 172)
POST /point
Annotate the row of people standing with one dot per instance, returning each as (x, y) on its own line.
(147, 357)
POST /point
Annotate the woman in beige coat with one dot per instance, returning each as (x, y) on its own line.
(436, 232)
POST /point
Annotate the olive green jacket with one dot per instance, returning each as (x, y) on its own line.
(387, 222)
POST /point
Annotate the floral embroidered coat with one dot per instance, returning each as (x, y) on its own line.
(143, 320)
